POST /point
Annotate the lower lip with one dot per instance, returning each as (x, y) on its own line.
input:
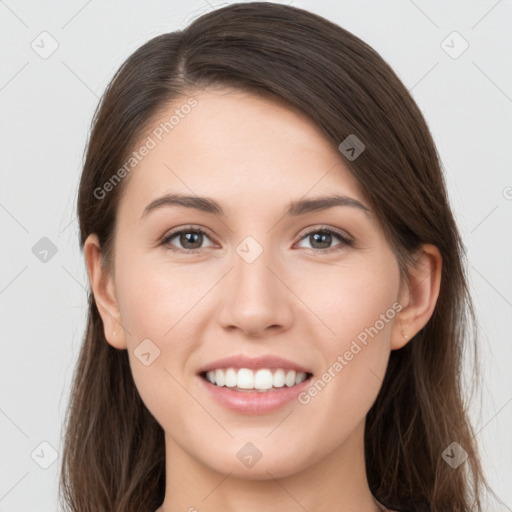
(253, 402)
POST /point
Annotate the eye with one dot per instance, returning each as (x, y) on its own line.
(190, 238)
(323, 236)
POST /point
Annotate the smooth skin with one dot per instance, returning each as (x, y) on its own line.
(254, 155)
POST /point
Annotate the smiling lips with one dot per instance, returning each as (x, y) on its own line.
(254, 385)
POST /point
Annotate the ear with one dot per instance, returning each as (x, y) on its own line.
(419, 297)
(102, 285)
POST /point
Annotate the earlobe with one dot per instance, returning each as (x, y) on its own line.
(102, 286)
(420, 298)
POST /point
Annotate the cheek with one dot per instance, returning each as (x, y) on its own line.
(157, 305)
(356, 304)
(151, 297)
(349, 298)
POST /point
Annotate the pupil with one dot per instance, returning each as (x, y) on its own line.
(188, 238)
(320, 236)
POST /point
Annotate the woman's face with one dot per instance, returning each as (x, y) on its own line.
(261, 281)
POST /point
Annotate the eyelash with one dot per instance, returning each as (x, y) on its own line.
(323, 229)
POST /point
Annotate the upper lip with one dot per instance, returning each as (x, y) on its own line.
(264, 361)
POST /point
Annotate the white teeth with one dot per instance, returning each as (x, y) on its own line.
(244, 379)
(230, 378)
(289, 380)
(219, 377)
(278, 378)
(261, 380)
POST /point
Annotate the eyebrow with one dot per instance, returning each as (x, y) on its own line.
(295, 208)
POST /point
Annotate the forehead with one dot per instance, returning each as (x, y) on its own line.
(239, 147)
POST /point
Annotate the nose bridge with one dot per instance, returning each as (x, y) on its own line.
(252, 278)
(252, 261)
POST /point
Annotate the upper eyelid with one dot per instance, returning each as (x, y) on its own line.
(185, 229)
(321, 227)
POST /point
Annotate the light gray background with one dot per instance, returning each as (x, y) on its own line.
(47, 105)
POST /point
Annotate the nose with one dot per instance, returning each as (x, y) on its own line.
(256, 297)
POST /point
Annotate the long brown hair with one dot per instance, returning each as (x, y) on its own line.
(113, 458)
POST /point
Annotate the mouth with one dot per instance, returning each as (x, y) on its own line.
(262, 380)
(248, 384)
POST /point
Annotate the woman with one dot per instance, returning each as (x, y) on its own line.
(278, 305)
